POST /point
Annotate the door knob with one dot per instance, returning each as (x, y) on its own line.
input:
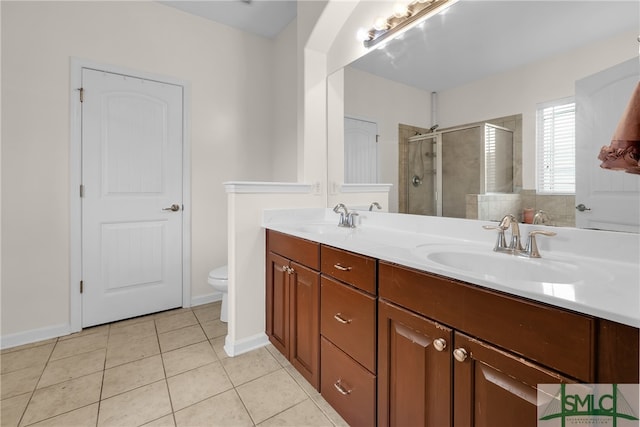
(581, 207)
(174, 208)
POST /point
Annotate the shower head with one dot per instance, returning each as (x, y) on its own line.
(433, 128)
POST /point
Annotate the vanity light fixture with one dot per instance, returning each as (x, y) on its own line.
(402, 17)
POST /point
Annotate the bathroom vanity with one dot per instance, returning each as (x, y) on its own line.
(389, 341)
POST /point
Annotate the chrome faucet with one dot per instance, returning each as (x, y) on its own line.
(343, 215)
(374, 204)
(347, 219)
(540, 217)
(351, 219)
(515, 245)
(511, 221)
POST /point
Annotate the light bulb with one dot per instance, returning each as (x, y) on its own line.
(400, 10)
(380, 23)
(362, 34)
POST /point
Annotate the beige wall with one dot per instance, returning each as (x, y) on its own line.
(389, 105)
(285, 108)
(514, 92)
(231, 76)
(518, 91)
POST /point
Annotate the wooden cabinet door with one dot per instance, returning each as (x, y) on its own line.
(414, 378)
(348, 387)
(304, 326)
(495, 388)
(278, 302)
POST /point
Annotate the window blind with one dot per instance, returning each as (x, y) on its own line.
(490, 158)
(555, 141)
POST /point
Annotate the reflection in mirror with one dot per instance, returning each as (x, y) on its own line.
(441, 170)
(486, 60)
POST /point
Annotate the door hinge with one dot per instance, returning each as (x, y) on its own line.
(81, 190)
(81, 94)
(81, 286)
(377, 138)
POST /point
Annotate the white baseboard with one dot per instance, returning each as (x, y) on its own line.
(206, 299)
(245, 345)
(34, 335)
(41, 334)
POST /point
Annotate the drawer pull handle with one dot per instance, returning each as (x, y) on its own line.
(460, 354)
(339, 318)
(341, 389)
(440, 344)
(341, 268)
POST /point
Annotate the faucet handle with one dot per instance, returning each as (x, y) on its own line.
(351, 221)
(531, 251)
(501, 242)
(344, 214)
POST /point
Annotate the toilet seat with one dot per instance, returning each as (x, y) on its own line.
(220, 273)
(218, 279)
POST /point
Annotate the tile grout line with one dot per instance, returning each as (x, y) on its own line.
(52, 385)
(104, 370)
(166, 380)
(37, 382)
(56, 343)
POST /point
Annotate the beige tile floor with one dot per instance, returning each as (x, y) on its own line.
(166, 369)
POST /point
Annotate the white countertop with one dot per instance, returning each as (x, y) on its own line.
(593, 272)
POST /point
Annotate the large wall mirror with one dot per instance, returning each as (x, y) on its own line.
(431, 110)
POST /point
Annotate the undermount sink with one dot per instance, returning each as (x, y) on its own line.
(323, 228)
(509, 268)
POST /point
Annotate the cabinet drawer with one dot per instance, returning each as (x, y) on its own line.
(348, 319)
(302, 251)
(348, 387)
(556, 338)
(356, 270)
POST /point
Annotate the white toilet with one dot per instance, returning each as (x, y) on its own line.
(219, 279)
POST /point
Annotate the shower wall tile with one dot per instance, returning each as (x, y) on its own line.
(513, 123)
(472, 206)
(559, 208)
(404, 133)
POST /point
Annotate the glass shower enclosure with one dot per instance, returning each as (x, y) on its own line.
(444, 167)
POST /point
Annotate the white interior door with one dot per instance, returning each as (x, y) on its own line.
(360, 151)
(131, 173)
(612, 197)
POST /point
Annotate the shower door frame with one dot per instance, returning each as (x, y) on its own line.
(438, 167)
(438, 160)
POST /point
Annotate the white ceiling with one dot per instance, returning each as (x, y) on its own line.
(266, 18)
(474, 39)
(471, 40)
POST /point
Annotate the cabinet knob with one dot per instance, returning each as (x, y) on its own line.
(338, 385)
(339, 318)
(439, 344)
(460, 354)
(288, 269)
